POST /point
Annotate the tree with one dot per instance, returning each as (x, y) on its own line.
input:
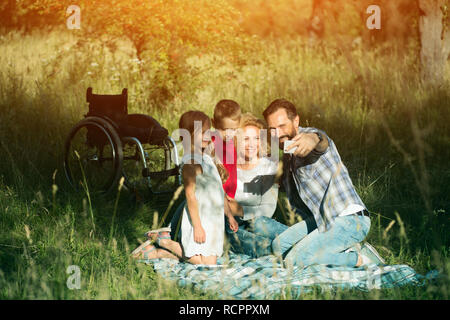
(316, 21)
(434, 40)
(163, 32)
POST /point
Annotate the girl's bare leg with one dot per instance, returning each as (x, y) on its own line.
(173, 246)
(176, 249)
(199, 259)
(195, 259)
(166, 254)
(155, 254)
(210, 260)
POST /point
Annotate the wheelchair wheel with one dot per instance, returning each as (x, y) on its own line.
(93, 156)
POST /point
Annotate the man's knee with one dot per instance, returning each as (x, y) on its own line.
(276, 247)
(301, 255)
(364, 226)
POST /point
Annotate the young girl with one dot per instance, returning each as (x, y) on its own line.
(202, 226)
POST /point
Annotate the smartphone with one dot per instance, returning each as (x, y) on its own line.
(287, 143)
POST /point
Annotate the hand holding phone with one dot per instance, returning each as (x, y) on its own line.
(287, 143)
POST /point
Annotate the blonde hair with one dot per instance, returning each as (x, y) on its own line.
(248, 119)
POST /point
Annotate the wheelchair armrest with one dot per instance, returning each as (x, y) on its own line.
(161, 174)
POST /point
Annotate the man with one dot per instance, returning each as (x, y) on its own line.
(320, 191)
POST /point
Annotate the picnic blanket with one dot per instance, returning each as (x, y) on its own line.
(240, 277)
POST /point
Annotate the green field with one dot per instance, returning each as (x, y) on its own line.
(392, 133)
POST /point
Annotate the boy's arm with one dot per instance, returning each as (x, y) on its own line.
(189, 173)
(234, 226)
(235, 208)
(232, 209)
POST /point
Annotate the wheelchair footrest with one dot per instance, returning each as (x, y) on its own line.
(161, 174)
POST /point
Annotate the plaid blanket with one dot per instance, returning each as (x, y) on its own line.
(240, 277)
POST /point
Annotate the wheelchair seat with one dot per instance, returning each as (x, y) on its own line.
(115, 109)
(143, 127)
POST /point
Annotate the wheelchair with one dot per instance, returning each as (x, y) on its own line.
(109, 144)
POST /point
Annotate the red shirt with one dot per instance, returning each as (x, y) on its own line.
(226, 152)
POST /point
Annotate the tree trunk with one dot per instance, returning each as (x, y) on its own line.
(434, 49)
(315, 26)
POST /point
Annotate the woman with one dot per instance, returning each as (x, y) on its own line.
(256, 195)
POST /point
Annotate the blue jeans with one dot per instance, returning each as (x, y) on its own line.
(175, 222)
(254, 237)
(301, 247)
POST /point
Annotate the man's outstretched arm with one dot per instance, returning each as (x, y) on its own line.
(323, 142)
(309, 141)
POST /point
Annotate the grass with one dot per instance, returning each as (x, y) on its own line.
(390, 129)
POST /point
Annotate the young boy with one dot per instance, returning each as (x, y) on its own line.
(227, 115)
(226, 119)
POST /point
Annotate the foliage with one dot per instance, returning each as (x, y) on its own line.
(163, 32)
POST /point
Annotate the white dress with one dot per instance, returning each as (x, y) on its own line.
(210, 197)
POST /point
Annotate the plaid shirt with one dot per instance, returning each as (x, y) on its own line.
(322, 182)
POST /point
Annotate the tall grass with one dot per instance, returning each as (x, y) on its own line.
(396, 148)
